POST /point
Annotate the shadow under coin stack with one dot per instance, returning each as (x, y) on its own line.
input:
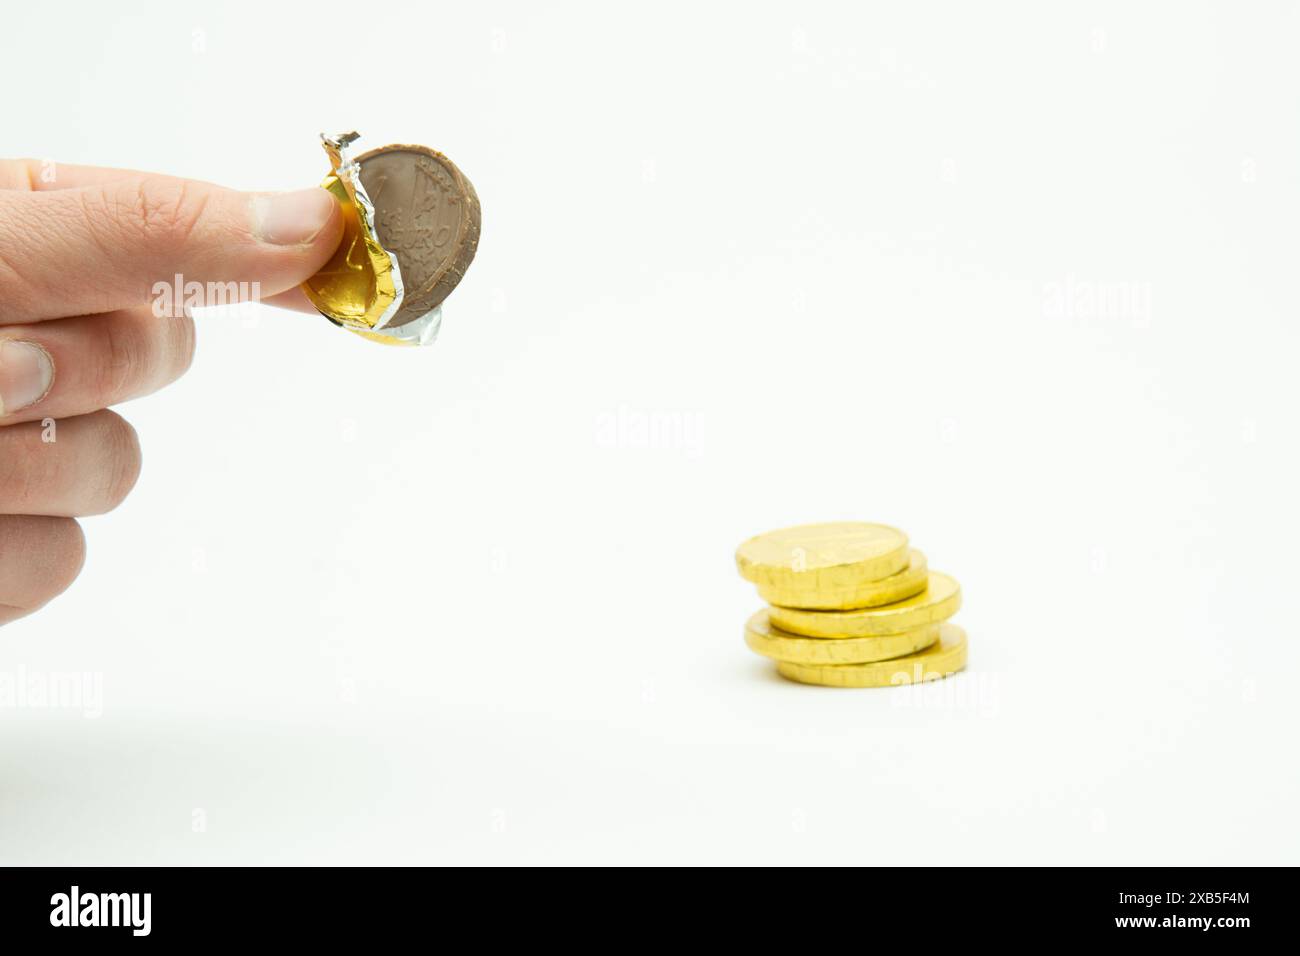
(851, 605)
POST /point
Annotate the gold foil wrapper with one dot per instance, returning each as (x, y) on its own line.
(360, 288)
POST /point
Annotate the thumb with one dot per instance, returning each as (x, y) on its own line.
(105, 247)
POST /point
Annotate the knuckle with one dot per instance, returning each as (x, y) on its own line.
(16, 292)
(137, 354)
(64, 554)
(39, 558)
(92, 469)
(125, 357)
(121, 470)
(184, 344)
(26, 469)
(158, 212)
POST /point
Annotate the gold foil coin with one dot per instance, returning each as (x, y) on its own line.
(823, 557)
(772, 642)
(360, 286)
(938, 602)
(941, 659)
(911, 580)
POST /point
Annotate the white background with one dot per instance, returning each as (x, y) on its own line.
(1019, 280)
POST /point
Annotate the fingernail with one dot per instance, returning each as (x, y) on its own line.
(290, 219)
(26, 374)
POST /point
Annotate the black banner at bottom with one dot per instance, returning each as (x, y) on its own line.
(336, 906)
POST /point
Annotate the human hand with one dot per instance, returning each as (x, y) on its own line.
(81, 251)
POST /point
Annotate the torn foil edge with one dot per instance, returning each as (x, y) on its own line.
(421, 331)
(349, 170)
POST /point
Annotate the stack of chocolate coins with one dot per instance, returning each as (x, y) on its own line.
(851, 605)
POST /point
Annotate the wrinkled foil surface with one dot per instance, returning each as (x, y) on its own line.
(360, 288)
